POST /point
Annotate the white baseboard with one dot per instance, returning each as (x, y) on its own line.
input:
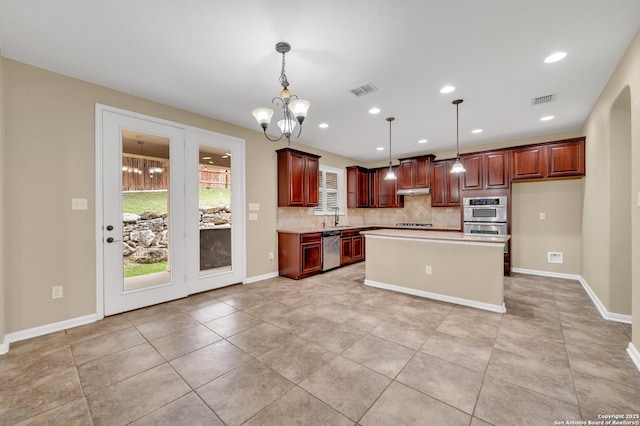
(436, 296)
(611, 316)
(45, 329)
(260, 277)
(634, 355)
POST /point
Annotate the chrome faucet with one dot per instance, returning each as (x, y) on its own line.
(336, 218)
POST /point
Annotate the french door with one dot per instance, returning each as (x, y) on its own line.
(170, 222)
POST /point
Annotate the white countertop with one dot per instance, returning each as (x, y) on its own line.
(438, 235)
(351, 227)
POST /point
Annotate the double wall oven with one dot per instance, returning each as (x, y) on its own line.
(485, 215)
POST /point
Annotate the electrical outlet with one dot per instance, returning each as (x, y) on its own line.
(427, 269)
(542, 216)
(271, 257)
(56, 292)
(554, 257)
(253, 216)
(78, 204)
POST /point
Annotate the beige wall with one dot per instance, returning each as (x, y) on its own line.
(2, 239)
(560, 231)
(606, 166)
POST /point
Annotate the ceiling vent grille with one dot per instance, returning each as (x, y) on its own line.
(543, 99)
(365, 89)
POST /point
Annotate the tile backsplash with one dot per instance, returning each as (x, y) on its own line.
(417, 209)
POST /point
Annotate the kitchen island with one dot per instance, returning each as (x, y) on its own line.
(447, 266)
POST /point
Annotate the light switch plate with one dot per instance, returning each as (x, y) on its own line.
(78, 204)
(254, 207)
(253, 216)
(542, 216)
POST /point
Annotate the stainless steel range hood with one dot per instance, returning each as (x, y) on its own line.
(414, 191)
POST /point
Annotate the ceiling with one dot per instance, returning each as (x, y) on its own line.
(218, 58)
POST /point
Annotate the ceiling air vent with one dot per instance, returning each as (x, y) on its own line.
(365, 89)
(543, 99)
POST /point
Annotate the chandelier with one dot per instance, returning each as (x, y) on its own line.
(294, 110)
(390, 173)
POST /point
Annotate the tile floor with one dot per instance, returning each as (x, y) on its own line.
(329, 351)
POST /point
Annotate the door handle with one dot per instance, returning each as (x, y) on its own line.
(111, 240)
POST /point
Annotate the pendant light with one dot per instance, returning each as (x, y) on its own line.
(457, 165)
(390, 173)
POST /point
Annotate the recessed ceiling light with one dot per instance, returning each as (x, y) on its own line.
(547, 118)
(374, 110)
(323, 125)
(447, 89)
(555, 57)
(476, 131)
(422, 141)
(206, 158)
(225, 156)
(380, 148)
(227, 153)
(210, 162)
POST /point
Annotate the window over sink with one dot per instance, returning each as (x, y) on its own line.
(331, 190)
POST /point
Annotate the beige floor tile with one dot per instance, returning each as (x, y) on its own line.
(298, 407)
(98, 328)
(243, 300)
(266, 311)
(21, 368)
(403, 333)
(297, 359)
(194, 301)
(97, 347)
(211, 312)
(39, 395)
(113, 368)
(478, 422)
(333, 336)
(260, 339)
(380, 355)
(547, 346)
(537, 375)
(401, 405)
(140, 316)
(156, 329)
(208, 363)
(453, 384)
(501, 403)
(468, 353)
(243, 392)
(122, 403)
(469, 330)
(295, 321)
(232, 324)
(187, 410)
(346, 386)
(184, 341)
(604, 396)
(467, 314)
(74, 413)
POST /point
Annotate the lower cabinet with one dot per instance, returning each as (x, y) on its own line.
(299, 255)
(351, 247)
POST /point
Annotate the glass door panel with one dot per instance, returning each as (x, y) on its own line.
(214, 210)
(145, 211)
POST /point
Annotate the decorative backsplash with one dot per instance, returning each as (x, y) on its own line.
(417, 209)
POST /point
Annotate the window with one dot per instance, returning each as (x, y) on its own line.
(331, 190)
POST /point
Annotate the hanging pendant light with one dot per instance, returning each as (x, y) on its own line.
(390, 173)
(457, 165)
(294, 110)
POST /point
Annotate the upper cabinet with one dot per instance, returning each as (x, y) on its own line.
(367, 188)
(445, 186)
(414, 172)
(297, 178)
(359, 187)
(485, 170)
(559, 159)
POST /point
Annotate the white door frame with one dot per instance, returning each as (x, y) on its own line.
(239, 182)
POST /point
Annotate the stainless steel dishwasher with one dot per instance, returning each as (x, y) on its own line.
(330, 250)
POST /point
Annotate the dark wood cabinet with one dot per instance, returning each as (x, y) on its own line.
(486, 170)
(358, 187)
(566, 159)
(385, 192)
(560, 159)
(445, 186)
(297, 178)
(351, 247)
(414, 172)
(299, 255)
(528, 162)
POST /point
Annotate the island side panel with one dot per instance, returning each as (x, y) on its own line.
(466, 271)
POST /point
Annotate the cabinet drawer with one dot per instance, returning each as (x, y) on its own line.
(308, 238)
